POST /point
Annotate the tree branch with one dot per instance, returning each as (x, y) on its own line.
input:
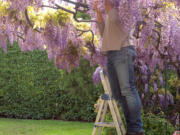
(163, 56)
(92, 41)
(74, 13)
(77, 3)
(84, 31)
(29, 21)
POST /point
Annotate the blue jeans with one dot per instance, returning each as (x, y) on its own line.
(120, 69)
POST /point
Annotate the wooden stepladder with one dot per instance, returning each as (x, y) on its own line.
(108, 101)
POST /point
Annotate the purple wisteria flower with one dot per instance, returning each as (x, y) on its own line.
(96, 75)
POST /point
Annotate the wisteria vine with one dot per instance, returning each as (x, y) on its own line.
(66, 38)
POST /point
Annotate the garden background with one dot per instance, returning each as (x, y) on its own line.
(33, 88)
(37, 98)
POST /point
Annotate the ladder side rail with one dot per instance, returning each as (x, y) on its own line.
(119, 118)
(98, 117)
(103, 116)
(105, 82)
(114, 116)
(107, 90)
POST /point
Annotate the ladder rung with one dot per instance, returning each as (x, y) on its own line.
(106, 97)
(105, 124)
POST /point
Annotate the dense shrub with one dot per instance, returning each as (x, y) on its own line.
(152, 124)
(32, 87)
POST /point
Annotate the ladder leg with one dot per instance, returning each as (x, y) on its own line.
(98, 117)
(103, 116)
(119, 118)
(117, 121)
(114, 117)
(108, 89)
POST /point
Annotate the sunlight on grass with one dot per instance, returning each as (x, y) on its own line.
(43, 127)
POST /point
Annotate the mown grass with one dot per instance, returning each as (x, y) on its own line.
(43, 127)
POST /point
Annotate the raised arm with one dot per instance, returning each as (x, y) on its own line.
(100, 19)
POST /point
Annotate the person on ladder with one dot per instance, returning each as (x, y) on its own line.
(120, 51)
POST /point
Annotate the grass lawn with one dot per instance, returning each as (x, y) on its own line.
(43, 127)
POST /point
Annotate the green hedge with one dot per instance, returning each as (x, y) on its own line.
(32, 87)
(152, 124)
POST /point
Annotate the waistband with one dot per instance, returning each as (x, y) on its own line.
(130, 46)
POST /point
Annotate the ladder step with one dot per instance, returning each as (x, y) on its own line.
(106, 97)
(104, 124)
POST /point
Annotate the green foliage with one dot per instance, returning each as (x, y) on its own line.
(156, 125)
(152, 124)
(83, 16)
(32, 87)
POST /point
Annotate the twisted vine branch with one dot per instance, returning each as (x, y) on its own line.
(74, 13)
(29, 21)
(92, 41)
